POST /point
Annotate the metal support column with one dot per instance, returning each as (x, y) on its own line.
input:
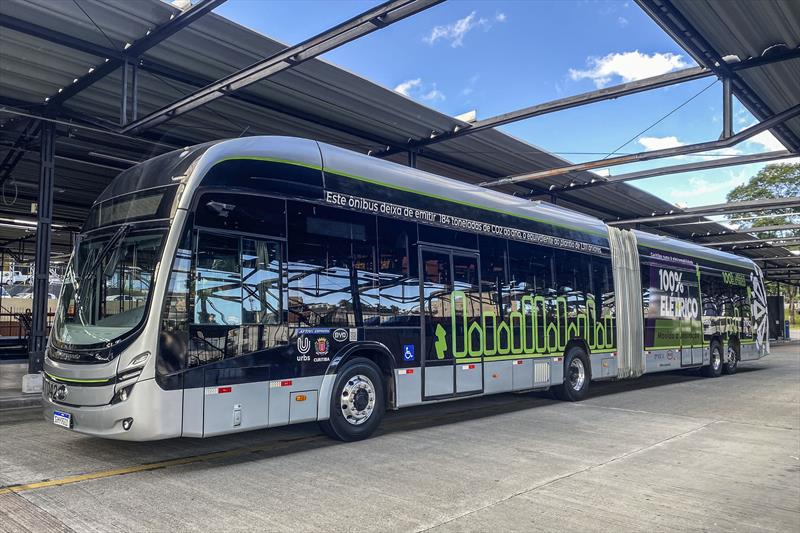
(135, 89)
(123, 107)
(412, 159)
(727, 109)
(41, 280)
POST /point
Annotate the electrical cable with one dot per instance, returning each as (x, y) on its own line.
(654, 124)
(113, 44)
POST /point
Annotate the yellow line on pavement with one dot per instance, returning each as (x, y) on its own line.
(401, 424)
(68, 480)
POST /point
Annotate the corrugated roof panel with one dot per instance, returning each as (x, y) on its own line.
(213, 47)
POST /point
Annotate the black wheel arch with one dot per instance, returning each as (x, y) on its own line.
(580, 343)
(376, 352)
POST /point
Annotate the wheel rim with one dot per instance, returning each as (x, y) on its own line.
(716, 359)
(357, 399)
(732, 361)
(577, 374)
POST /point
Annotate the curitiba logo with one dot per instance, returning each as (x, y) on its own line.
(537, 325)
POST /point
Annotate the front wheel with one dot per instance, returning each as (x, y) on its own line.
(357, 402)
(714, 368)
(577, 375)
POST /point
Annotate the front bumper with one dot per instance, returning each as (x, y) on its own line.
(156, 414)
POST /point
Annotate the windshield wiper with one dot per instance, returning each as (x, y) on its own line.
(120, 233)
(83, 278)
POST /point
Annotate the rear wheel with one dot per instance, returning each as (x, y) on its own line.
(733, 360)
(714, 368)
(577, 375)
(357, 402)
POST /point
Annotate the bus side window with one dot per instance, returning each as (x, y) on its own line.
(494, 256)
(331, 264)
(398, 284)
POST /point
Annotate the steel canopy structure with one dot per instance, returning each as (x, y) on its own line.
(90, 87)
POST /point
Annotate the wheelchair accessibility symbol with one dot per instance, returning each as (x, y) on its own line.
(408, 352)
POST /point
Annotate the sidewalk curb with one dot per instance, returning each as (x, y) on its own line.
(21, 402)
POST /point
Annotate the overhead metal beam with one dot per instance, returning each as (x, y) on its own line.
(684, 33)
(653, 154)
(17, 150)
(53, 36)
(762, 229)
(131, 53)
(678, 169)
(767, 260)
(367, 22)
(99, 126)
(600, 95)
(703, 220)
(716, 209)
(759, 245)
(772, 241)
(163, 71)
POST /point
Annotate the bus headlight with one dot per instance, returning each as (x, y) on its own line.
(139, 360)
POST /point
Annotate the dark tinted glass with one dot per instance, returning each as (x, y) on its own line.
(530, 266)
(448, 237)
(398, 290)
(331, 263)
(261, 264)
(246, 213)
(218, 288)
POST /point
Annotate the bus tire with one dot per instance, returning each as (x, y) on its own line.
(358, 401)
(733, 360)
(714, 368)
(577, 375)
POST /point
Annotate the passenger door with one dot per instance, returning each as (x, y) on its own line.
(237, 306)
(450, 303)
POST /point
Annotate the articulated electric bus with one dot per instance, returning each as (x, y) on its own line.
(266, 281)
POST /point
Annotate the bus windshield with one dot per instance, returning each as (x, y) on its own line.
(107, 286)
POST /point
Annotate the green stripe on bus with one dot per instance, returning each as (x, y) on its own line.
(271, 160)
(522, 356)
(70, 380)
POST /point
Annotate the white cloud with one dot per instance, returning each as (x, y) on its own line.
(767, 141)
(500, 17)
(764, 141)
(456, 31)
(470, 88)
(433, 95)
(622, 22)
(659, 143)
(671, 141)
(700, 186)
(628, 66)
(407, 86)
(415, 88)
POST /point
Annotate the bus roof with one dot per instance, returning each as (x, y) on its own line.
(344, 162)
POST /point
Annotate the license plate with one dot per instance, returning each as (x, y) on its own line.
(61, 418)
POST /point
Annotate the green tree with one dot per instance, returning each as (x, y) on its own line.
(773, 181)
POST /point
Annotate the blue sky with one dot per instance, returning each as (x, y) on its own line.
(498, 56)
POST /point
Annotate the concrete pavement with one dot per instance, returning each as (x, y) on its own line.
(665, 452)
